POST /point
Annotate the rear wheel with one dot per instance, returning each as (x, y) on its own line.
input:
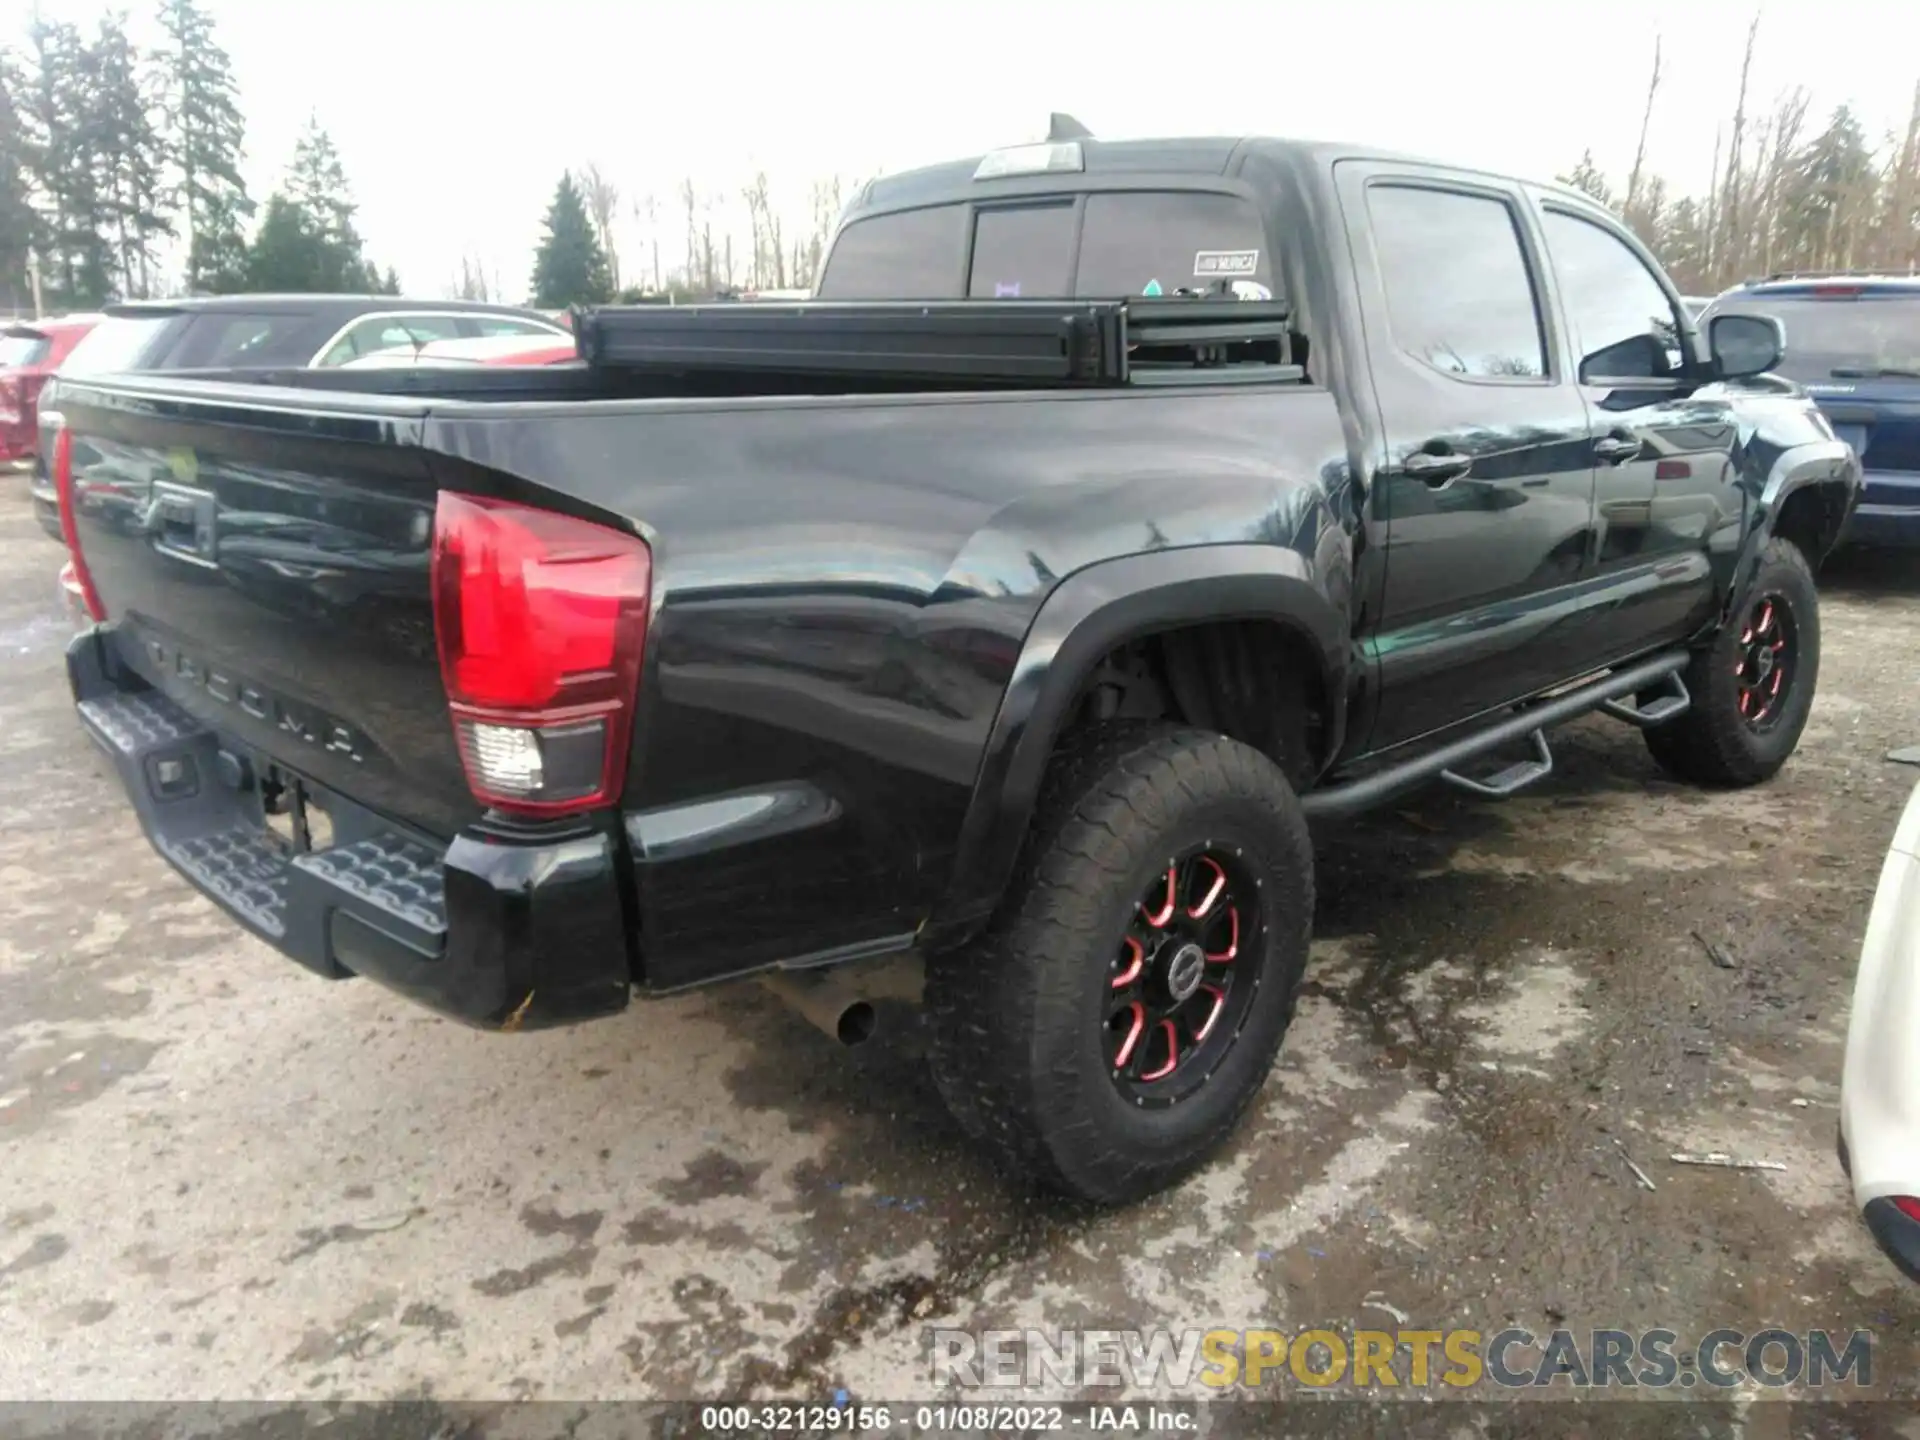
(1753, 686)
(1123, 1008)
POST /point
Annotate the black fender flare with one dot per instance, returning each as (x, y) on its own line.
(1819, 462)
(1085, 616)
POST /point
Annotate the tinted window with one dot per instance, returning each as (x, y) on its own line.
(1129, 240)
(914, 255)
(1459, 295)
(1623, 323)
(23, 349)
(1177, 240)
(120, 342)
(222, 339)
(1022, 252)
(1841, 331)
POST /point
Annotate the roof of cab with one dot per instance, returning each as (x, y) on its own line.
(1106, 159)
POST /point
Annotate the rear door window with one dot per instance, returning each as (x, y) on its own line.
(1460, 296)
(228, 339)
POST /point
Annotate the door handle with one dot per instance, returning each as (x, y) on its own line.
(1436, 469)
(1614, 449)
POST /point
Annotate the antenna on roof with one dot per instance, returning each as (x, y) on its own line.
(1062, 126)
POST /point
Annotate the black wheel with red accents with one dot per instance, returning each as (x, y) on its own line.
(1125, 1004)
(1179, 989)
(1753, 686)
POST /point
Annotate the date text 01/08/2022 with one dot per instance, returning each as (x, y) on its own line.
(962, 1419)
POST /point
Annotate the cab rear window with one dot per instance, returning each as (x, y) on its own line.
(1108, 245)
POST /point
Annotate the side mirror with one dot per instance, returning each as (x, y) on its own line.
(1745, 345)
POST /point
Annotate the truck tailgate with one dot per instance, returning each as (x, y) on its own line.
(268, 571)
(268, 687)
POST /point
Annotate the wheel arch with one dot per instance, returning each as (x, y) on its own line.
(1808, 497)
(1087, 618)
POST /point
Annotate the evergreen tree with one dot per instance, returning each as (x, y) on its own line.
(1831, 184)
(289, 254)
(307, 242)
(207, 133)
(570, 267)
(63, 160)
(19, 224)
(128, 153)
(317, 183)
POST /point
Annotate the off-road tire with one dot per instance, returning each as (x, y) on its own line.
(1016, 1044)
(1712, 743)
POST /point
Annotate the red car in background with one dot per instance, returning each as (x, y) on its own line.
(30, 351)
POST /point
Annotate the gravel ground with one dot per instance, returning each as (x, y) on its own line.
(221, 1176)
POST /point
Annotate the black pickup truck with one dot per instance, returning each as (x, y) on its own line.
(1113, 511)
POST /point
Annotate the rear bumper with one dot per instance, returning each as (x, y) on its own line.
(1889, 510)
(493, 931)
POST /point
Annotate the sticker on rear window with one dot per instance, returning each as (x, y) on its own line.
(1226, 262)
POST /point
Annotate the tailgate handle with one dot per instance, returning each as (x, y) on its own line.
(182, 522)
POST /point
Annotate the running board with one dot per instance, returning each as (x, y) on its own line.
(1602, 694)
(1511, 780)
(1657, 711)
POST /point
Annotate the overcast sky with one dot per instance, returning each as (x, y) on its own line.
(456, 119)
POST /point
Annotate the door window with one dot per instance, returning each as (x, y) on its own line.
(1460, 297)
(1623, 321)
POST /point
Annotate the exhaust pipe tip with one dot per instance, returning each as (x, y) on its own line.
(856, 1024)
(839, 1003)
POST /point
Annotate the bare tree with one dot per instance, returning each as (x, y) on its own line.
(690, 203)
(1731, 206)
(1646, 119)
(603, 203)
(473, 281)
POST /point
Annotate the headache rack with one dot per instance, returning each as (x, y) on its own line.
(1022, 343)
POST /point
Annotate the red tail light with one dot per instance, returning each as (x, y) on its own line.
(1907, 1206)
(541, 621)
(63, 484)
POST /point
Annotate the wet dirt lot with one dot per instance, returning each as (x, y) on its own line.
(221, 1176)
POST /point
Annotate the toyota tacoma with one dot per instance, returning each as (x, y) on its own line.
(1112, 511)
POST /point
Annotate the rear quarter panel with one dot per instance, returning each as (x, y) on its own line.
(841, 594)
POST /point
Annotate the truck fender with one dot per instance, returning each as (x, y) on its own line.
(1084, 617)
(1797, 468)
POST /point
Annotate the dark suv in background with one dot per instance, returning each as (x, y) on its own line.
(269, 332)
(1854, 342)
